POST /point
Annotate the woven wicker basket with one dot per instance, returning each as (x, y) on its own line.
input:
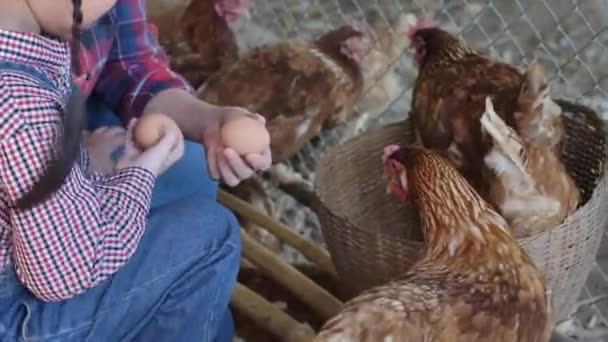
(373, 239)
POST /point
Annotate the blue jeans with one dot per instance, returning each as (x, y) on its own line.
(176, 287)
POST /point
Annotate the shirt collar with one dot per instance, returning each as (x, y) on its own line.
(50, 54)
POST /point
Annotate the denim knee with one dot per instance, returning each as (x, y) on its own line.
(221, 223)
(183, 271)
(233, 233)
(209, 251)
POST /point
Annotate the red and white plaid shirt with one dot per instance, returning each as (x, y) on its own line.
(92, 225)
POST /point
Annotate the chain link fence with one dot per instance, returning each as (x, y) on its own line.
(569, 37)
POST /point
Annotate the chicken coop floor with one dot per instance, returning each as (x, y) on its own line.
(569, 37)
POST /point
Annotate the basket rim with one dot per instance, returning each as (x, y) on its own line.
(601, 182)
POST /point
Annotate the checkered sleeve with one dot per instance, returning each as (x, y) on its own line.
(137, 67)
(84, 232)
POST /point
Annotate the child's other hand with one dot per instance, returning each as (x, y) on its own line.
(158, 158)
(100, 145)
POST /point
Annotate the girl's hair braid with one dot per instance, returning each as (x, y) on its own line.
(75, 45)
(74, 118)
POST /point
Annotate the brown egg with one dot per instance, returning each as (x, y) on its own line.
(245, 135)
(150, 128)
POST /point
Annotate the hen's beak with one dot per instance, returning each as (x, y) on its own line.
(387, 175)
(389, 187)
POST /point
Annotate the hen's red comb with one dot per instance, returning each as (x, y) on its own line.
(388, 150)
(421, 24)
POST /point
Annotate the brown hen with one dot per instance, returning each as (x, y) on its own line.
(449, 96)
(380, 74)
(529, 185)
(299, 87)
(473, 281)
(206, 28)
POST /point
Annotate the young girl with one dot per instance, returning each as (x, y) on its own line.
(108, 257)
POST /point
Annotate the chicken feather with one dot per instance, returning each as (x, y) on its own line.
(538, 118)
(529, 197)
(300, 87)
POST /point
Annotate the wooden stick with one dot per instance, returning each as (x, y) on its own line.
(308, 249)
(292, 183)
(288, 276)
(247, 264)
(268, 316)
(301, 193)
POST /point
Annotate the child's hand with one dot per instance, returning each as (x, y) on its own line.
(100, 144)
(158, 158)
(225, 163)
